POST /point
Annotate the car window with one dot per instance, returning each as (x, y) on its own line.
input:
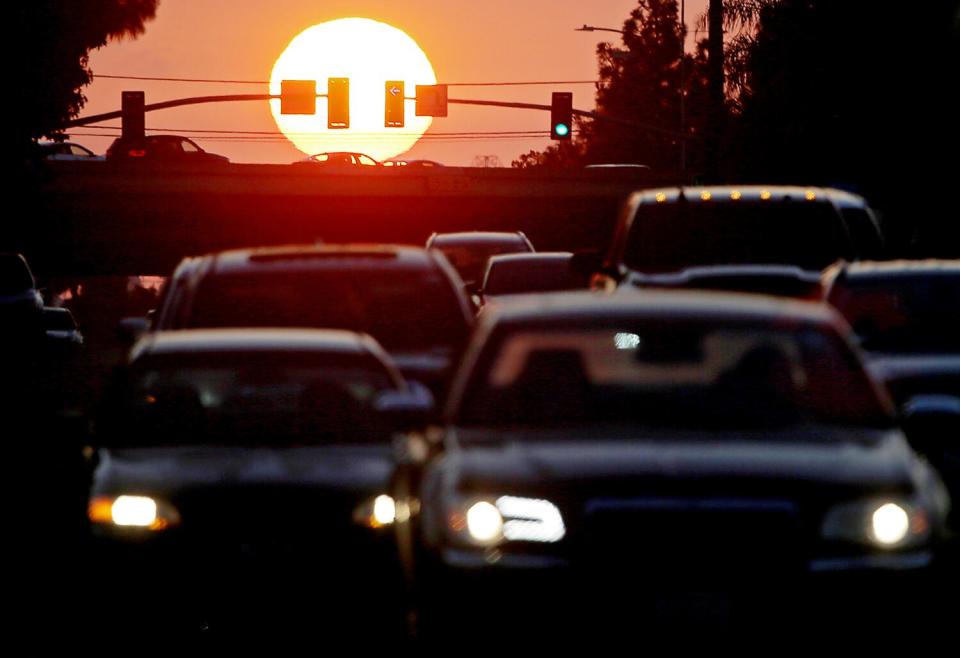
(366, 160)
(189, 147)
(667, 237)
(400, 308)
(676, 375)
(244, 398)
(506, 277)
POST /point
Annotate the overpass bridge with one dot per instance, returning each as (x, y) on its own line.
(86, 218)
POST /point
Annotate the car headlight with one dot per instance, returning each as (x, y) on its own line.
(883, 523)
(128, 511)
(380, 512)
(488, 522)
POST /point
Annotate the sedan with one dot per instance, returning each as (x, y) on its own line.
(658, 446)
(240, 470)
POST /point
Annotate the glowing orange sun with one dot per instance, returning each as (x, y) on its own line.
(369, 53)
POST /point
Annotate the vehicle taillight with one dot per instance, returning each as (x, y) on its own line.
(136, 153)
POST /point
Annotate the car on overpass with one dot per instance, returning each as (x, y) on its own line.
(161, 149)
(659, 443)
(340, 159)
(68, 151)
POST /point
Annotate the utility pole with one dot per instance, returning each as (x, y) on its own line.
(715, 88)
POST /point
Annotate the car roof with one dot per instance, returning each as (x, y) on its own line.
(316, 257)
(477, 237)
(751, 193)
(576, 307)
(530, 257)
(211, 341)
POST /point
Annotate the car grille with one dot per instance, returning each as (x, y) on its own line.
(714, 537)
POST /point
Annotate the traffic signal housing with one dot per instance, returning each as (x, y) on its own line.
(298, 97)
(338, 103)
(561, 115)
(131, 110)
(393, 104)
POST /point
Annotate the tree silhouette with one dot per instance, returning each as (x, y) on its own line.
(54, 39)
(849, 94)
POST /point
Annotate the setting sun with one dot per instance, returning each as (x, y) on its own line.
(369, 53)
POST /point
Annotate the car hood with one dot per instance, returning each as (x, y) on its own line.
(168, 470)
(713, 463)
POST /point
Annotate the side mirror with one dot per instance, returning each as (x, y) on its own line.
(407, 410)
(130, 329)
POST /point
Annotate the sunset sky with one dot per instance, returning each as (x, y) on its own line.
(493, 41)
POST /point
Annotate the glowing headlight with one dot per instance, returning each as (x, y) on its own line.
(132, 512)
(509, 518)
(484, 522)
(380, 512)
(384, 510)
(889, 524)
(880, 523)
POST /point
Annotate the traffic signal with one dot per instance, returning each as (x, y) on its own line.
(561, 115)
(338, 103)
(298, 97)
(431, 100)
(393, 104)
(131, 109)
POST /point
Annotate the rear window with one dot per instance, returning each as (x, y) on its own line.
(672, 236)
(677, 376)
(402, 309)
(508, 277)
(246, 398)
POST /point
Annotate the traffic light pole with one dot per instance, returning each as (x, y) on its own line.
(198, 100)
(179, 102)
(580, 113)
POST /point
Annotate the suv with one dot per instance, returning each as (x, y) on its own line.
(407, 298)
(670, 229)
(162, 148)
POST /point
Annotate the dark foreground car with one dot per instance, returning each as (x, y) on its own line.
(407, 298)
(671, 229)
(906, 315)
(523, 274)
(604, 458)
(469, 251)
(232, 465)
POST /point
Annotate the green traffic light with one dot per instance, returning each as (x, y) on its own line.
(561, 129)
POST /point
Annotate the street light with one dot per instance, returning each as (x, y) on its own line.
(591, 28)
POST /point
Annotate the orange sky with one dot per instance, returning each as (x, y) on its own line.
(495, 40)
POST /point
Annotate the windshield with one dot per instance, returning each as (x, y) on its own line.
(415, 310)
(670, 237)
(244, 399)
(680, 376)
(919, 313)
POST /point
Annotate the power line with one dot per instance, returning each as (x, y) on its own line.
(266, 82)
